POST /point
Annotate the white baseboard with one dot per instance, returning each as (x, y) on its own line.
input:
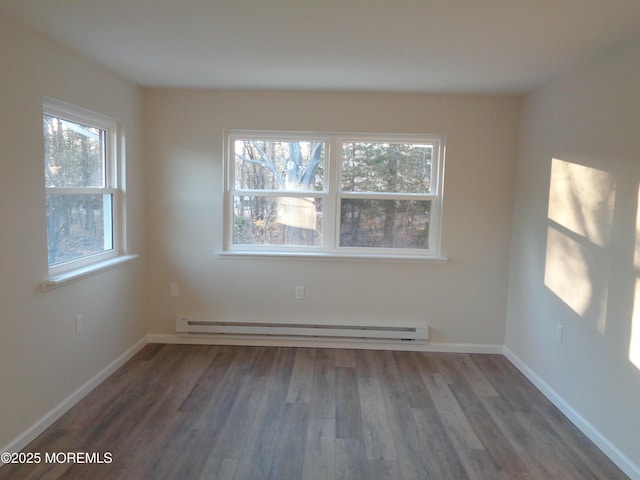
(26, 437)
(602, 442)
(323, 343)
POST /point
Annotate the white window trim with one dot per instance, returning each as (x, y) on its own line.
(64, 272)
(63, 278)
(331, 197)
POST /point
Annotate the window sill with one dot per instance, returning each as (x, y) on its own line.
(333, 256)
(66, 277)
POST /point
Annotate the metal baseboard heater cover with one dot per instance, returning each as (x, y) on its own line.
(188, 326)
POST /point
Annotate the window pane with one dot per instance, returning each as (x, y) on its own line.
(74, 154)
(386, 167)
(77, 226)
(278, 165)
(384, 223)
(277, 220)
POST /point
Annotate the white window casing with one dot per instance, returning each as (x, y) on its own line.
(393, 212)
(100, 202)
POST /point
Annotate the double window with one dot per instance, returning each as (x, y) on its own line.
(82, 196)
(333, 194)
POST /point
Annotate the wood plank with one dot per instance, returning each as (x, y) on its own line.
(414, 388)
(189, 448)
(323, 399)
(255, 460)
(288, 452)
(365, 364)
(209, 381)
(233, 435)
(412, 462)
(384, 470)
(442, 456)
(219, 468)
(320, 450)
(346, 358)
(351, 459)
(519, 393)
(302, 376)
(496, 443)
(476, 461)
(378, 438)
(347, 404)
(475, 378)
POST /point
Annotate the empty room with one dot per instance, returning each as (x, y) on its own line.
(320, 240)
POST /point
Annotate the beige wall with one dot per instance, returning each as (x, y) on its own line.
(575, 237)
(463, 301)
(42, 359)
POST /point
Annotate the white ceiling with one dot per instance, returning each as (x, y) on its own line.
(484, 46)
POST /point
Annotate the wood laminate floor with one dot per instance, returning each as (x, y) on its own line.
(220, 412)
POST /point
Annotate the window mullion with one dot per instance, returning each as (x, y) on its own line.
(80, 191)
(112, 179)
(388, 196)
(331, 221)
(278, 193)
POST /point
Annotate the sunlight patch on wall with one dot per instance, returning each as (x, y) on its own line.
(634, 346)
(582, 200)
(636, 253)
(577, 275)
(581, 206)
(566, 271)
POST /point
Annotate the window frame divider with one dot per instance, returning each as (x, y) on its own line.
(332, 195)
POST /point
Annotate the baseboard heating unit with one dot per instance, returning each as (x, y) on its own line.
(399, 333)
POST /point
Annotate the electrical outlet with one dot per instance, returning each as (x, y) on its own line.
(174, 289)
(559, 333)
(79, 323)
(300, 292)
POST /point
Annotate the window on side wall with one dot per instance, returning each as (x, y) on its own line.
(82, 192)
(351, 195)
